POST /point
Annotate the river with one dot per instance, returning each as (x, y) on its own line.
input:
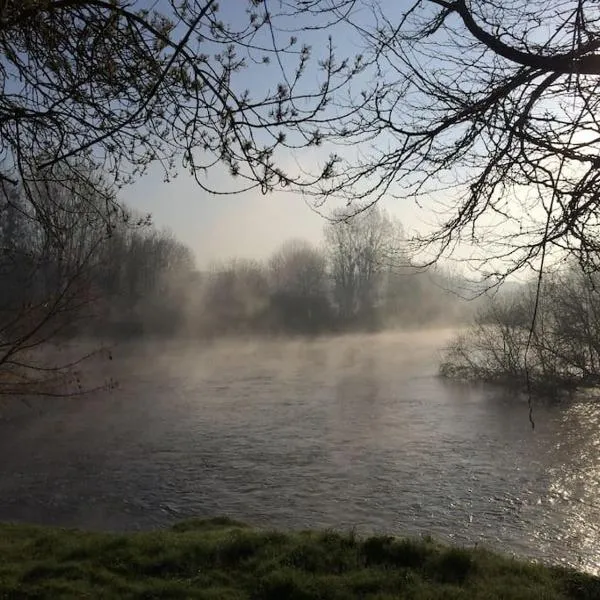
(355, 431)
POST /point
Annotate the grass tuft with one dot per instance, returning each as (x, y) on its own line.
(454, 565)
(221, 559)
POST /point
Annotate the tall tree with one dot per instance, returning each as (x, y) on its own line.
(298, 277)
(361, 247)
(299, 269)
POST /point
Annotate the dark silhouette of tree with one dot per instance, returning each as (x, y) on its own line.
(492, 109)
(48, 269)
(121, 84)
(143, 282)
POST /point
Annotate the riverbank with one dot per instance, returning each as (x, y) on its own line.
(223, 560)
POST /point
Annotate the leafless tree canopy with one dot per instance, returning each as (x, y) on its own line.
(360, 250)
(492, 108)
(121, 84)
(487, 108)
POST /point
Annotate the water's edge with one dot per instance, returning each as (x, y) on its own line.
(356, 431)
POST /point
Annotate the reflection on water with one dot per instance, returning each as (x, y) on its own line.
(353, 431)
(575, 484)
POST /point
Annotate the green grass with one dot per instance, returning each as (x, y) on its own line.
(220, 559)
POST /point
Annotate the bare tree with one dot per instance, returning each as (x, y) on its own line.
(298, 268)
(47, 268)
(121, 85)
(561, 351)
(490, 109)
(361, 247)
(143, 282)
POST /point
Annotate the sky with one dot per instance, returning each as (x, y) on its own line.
(218, 228)
(250, 225)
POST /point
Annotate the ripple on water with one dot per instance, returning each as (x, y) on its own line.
(353, 431)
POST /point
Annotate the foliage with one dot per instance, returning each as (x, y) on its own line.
(222, 559)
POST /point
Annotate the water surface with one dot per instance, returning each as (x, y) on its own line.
(355, 431)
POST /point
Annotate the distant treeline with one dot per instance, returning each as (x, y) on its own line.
(358, 280)
(83, 265)
(75, 264)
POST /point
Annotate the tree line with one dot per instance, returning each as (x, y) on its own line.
(70, 268)
(359, 279)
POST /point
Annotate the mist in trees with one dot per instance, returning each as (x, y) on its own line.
(360, 279)
(299, 288)
(115, 276)
(557, 351)
(359, 248)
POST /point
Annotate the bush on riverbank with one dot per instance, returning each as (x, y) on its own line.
(560, 353)
(219, 559)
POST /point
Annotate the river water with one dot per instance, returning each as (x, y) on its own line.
(355, 431)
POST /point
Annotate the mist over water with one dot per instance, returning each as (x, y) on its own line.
(349, 431)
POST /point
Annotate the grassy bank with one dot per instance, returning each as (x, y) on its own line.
(220, 559)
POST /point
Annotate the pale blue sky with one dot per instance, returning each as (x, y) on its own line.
(221, 227)
(249, 225)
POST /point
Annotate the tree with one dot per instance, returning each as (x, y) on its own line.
(117, 84)
(48, 268)
(489, 108)
(561, 351)
(298, 282)
(361, 247)
(143, 284)
(236, 298)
